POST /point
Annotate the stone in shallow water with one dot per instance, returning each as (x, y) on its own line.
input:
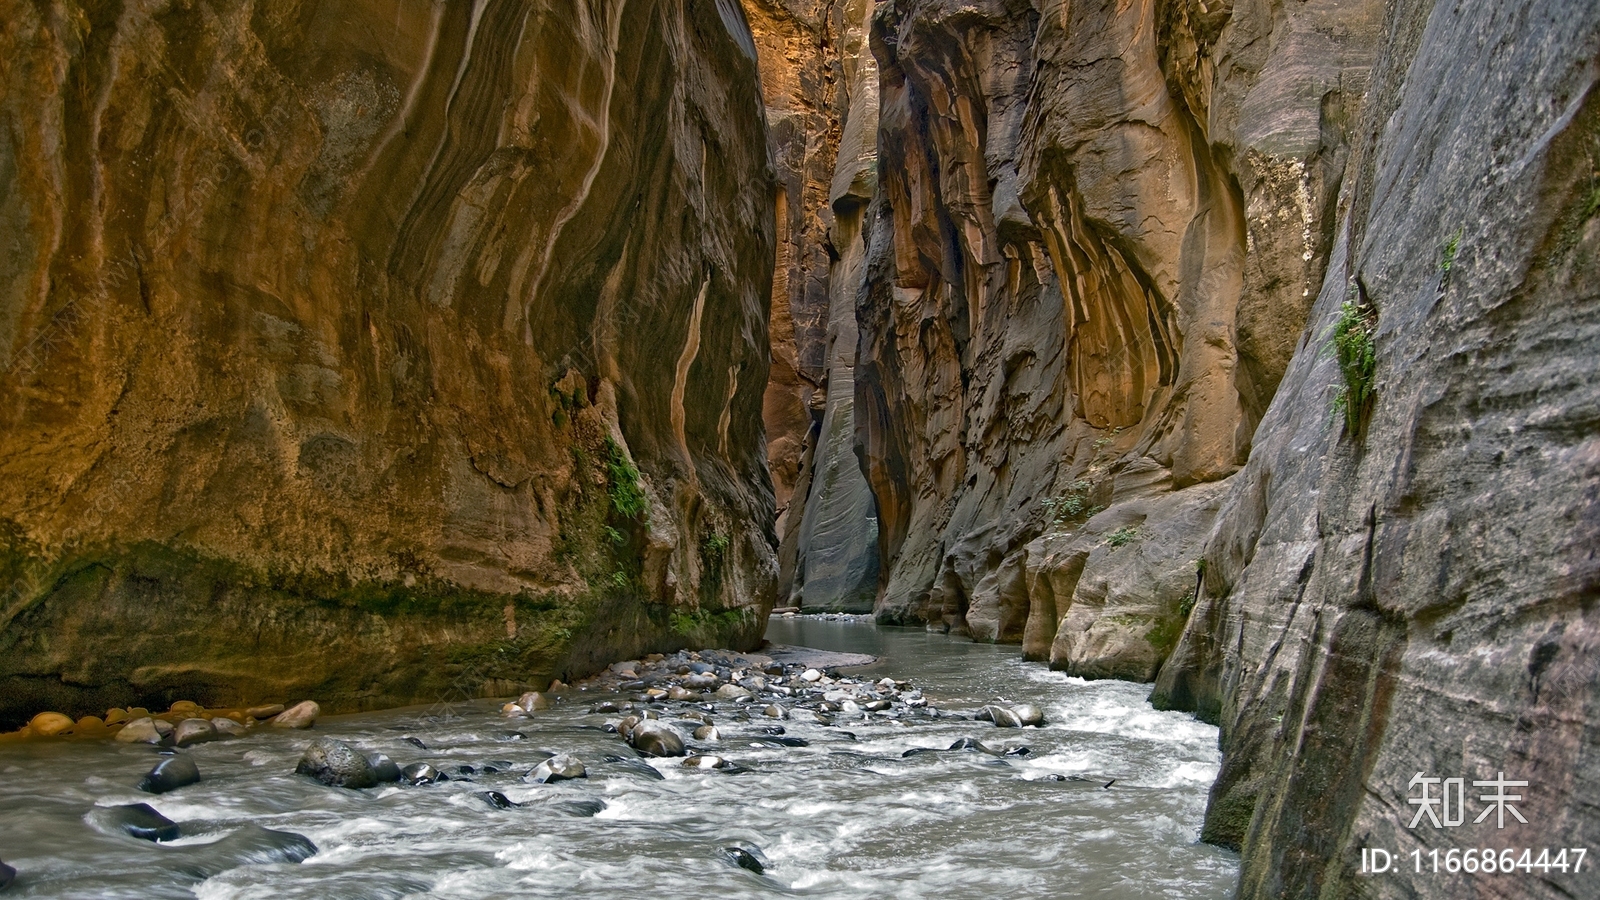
(1029, 714)
(301, 715)
(774, 711)
(655, 738)
(144, 731)
(732, 692)
(337, 764)
(384, 769)
(706, 761)
(227, 727)
(193, 731)
(561, 767)
(1000, 716)
(636, 766)
(811, 676)
(497, 800)
(50, 724)
(140, 820)
(169, 774)
(744, 859)
(419, 773)
(7, 875)
(582, 808)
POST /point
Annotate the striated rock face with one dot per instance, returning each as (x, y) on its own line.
(821, 88)
(1097, 235)
(1413, 590)
(376, 352)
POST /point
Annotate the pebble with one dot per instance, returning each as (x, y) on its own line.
(301, 715)
(173, 772)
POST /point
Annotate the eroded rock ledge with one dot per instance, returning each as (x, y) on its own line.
(376, 352)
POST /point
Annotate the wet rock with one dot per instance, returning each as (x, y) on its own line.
(384, 769)
(265, 711)
(772, 729)
(246, 845)
(7, 875)
(420, 773)
(744, 859)
(679, 694)
(301, 715)
(144, 731)
(228, 728)
(140, 820)
(416, 742)
(513, 711)
(337, 764)
(1000, 716)
(116, 716)
(50, 724)
(732, 692)
(497, 800)
(782, 741)
(561, 767)
(194, 731)
(583, 809)
(876, 705)
(811, 676)
(655, 738)
(635, 766)
(534, 701)
(707, 733)
(605, 707)
(774, 711)
(169, 774)
(706, 761)
(627, 725)
(1029, 714)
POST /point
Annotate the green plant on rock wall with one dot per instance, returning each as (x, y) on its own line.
(1352, 343)
(1124, 535)
(1074, 503)
(627, 495)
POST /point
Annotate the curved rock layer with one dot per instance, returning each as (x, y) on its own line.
(1097, 237)
(381, 352)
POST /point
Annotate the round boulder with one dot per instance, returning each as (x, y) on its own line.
(300, 715)
(1029, 714)
(419, 773)
(337, 764)
(656, 738)
(169, 774)
(194, 731)
(383, 768)
(561, 767)
(50, 724)
(143, 731)
(1000, 716)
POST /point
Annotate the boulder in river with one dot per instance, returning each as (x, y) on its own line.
(1029, 714)
(384, 769)
(227, 727)
(194, 731)
(140, 820)
(583, 809)
(706, 761)
(497, 800)
(1001, 716)
(655, 738)
(144, 731)
(7, 875)
(707, 733)
(170, 773)
(744, 859)
(419, 773)
(561, 767)
(337, 764)
(300, 715)
(265, 711)
(50, 724)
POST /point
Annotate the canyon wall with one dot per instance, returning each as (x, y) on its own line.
(1407, 587)
(376, 351)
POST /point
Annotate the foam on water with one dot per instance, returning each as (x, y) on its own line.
(841, 818)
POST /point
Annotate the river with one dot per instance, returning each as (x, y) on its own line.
(839, 818)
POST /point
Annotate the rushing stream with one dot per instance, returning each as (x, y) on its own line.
(839, 818)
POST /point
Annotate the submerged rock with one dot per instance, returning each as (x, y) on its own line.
(301, 715)
(744, 859)
(169, 774)
(7, 875)
(497, 800)
(337, 764)
(561, 767)
(582, 808)
(139, 820)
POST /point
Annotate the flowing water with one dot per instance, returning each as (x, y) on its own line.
(839, 818)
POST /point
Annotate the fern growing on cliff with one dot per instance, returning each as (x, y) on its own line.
(627, 497)
(1358, 361)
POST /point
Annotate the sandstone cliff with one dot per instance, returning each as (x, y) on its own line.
(1411, 588)
(376, 351)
